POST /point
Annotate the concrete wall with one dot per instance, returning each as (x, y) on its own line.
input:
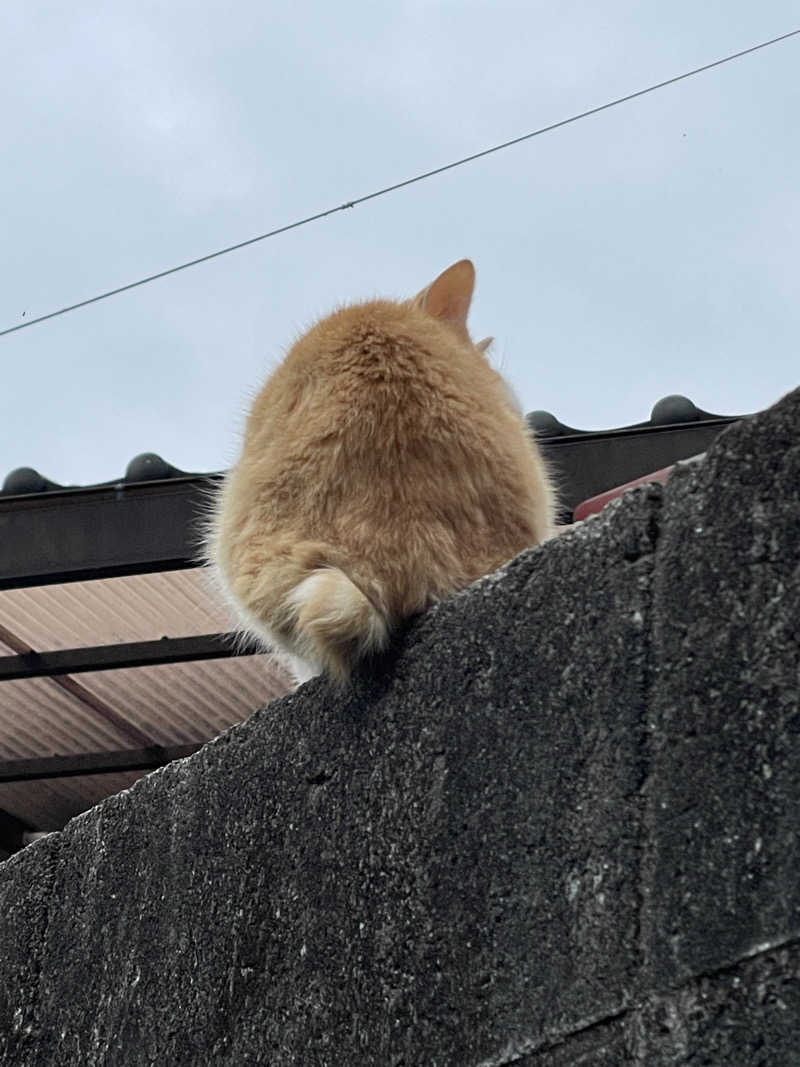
(557, 825)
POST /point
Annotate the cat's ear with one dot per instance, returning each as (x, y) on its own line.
(485, 344)
(449, 296)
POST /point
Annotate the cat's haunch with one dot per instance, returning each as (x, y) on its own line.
(385, 465)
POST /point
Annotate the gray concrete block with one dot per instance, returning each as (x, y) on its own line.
(600, 1044)
(743, 1016)
(429, 869)
(723, 853)
(27, 880)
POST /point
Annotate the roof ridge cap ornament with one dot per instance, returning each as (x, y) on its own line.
(150, 467)
(24, 480)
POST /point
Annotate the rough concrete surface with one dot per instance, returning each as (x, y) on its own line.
(555, 825)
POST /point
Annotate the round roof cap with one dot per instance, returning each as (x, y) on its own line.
(675, 408)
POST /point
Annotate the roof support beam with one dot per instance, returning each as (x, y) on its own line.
(32, 664)
(136, 759)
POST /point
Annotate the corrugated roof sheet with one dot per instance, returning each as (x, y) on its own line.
(169, 704)
(37, 718)
(140, 607)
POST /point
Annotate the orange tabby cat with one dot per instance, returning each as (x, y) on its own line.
(384, 466)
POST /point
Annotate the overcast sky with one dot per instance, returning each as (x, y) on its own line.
(648, 250)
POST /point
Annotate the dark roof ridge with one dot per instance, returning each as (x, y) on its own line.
(669, 412)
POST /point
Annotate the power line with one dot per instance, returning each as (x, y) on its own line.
(401, 185)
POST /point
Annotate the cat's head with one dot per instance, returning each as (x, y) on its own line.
(448, 299)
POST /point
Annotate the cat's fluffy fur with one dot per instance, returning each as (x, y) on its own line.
(384, 466)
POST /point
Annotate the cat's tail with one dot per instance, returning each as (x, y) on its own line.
(335, 623)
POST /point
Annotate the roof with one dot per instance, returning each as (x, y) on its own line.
(161, 708)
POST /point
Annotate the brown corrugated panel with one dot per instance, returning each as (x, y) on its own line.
(170, 704)
(37, 718)
(139, 608)
(181, 702)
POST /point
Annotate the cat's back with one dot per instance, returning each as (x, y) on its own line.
(378, 376)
